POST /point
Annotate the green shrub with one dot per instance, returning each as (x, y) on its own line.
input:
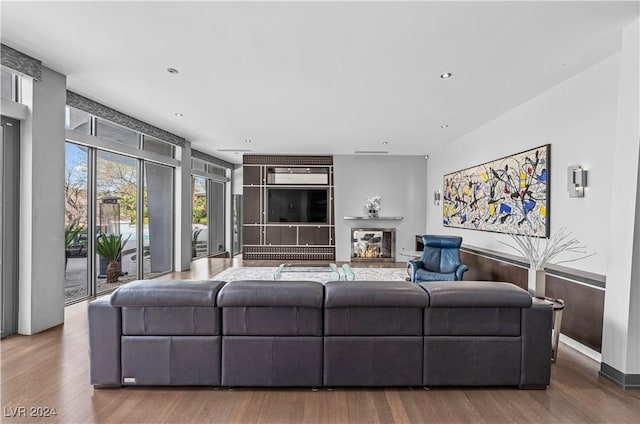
(70, 234)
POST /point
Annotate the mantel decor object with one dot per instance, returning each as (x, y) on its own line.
(372, 206)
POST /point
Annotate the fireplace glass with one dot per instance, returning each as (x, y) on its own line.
(373, 244)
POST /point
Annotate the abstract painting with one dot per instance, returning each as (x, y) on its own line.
(508, 195)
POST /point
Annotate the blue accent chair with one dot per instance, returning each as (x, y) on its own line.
(440, 260)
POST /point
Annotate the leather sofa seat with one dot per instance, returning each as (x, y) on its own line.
(272, 333)
(473, 335)
(373, 333)
(301, 333)
(474, 308)
(170, 332)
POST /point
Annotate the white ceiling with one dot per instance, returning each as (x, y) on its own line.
(315, 77)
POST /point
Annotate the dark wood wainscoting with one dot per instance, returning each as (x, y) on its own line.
(584, 297)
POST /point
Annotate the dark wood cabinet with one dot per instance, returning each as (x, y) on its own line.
(316, 235)
(251, 175)
(251, 234)
(251, 205)
(282, 235)
(309, 233)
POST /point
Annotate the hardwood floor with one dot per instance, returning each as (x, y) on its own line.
(51, 370)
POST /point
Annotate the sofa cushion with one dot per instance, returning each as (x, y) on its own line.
(272, 293)
(271, 308)
(476, 294)
(374, 294)
(373, 308)
(472, 321)
(164, 308)
(171, 321)
(159, 293)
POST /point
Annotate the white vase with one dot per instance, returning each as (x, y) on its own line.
(537, 278)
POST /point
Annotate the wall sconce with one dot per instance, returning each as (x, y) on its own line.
(576, 180)
(437, 196)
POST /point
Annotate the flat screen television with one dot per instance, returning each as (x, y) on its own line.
(297, 205)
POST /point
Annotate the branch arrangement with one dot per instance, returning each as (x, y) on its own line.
(541, 254)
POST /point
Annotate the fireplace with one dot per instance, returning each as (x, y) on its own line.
(373, 244)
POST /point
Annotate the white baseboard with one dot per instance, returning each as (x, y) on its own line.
(587, 351)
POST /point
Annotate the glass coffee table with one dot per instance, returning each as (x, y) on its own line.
(320, 268)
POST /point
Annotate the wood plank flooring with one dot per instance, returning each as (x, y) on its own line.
(51, 370)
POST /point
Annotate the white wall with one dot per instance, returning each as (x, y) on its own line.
(620, 336)
(578, 119)
(41, 263)
(591, 119)
(400, 180)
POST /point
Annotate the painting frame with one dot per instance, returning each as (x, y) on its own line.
(509, 195)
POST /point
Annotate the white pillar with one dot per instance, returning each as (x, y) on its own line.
(42, 161)
(621, 328)
(183, 215)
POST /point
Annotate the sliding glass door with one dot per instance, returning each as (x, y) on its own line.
(76, 191)
(9, 217)
(117, 213)
(217, 217)
(200, 212)
(208, 207)
(158, 218)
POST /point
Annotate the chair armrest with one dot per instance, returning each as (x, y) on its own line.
(414, 266)
(461, 269)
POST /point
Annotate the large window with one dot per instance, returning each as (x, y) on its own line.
(200, 211)
(76, 221)
(158, 218)
(209, 192)
(118, 204)
(117, 212)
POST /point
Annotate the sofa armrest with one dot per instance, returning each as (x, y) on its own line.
(105, 330)
(536, 346)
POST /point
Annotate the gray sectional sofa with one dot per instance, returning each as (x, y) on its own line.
(306, 334)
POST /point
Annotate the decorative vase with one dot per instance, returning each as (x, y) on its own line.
(372, 213)
(537, 278)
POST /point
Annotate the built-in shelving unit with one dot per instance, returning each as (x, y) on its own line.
(288, 211)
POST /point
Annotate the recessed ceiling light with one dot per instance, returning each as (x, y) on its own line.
(178, 114)
(444, 126)
(446, 75)
(173, 71)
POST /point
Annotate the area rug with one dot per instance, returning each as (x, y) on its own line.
(266, 273)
